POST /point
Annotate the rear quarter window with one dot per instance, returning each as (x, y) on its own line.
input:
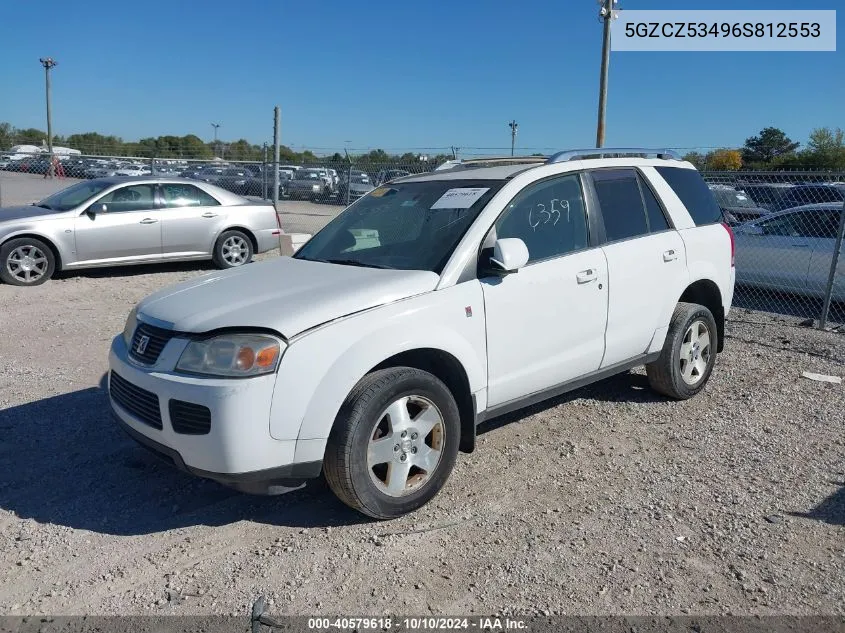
(690, 187)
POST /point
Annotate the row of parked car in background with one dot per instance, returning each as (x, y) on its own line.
(316, 183)
(786, 234)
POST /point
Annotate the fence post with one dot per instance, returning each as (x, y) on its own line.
(276, 116)
(348, 182)
(834, 263)
(152, 166)
(264, 175)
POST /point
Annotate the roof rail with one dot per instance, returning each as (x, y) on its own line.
(468, 163)
(612, 152)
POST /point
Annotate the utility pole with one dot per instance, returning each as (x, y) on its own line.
(513, 125)
(216, 147)
(606, 14)
(276, 142)
(49, 63)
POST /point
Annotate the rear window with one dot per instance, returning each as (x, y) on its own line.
(690, 187)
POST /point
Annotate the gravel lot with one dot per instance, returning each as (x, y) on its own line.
(607, 500)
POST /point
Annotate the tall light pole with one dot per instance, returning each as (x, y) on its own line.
(216, 148)
(513, 125)
(606, 14)
(49, 63)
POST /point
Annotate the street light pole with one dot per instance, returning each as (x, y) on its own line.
(49, 63)
(513, 125)
(216, 148)
(607, 15)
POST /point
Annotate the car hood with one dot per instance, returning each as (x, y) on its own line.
(284, 294)
(28, 212)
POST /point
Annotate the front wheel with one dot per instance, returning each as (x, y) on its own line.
(26, 262)
(394, 443)
(232, 249)
(689, 353)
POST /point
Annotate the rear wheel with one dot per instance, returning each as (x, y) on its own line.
(394, 443)
(232, 249)
(688, 355)
(26, 262)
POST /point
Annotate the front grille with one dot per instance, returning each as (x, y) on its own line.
(157, 338)
(141, 403)
(189, 418)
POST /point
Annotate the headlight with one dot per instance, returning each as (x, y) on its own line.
(129, 328)
(232, 355)
(315, 187)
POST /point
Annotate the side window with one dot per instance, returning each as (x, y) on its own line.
(690, 187)
(656, 219)
(819, 224)
(130, 198)
(782, 226)
(549, 216)
(621, 204)
(181, 195)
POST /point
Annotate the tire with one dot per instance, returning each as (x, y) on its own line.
(689, 353)
(232, 249)
(400, 484)
(25, 261)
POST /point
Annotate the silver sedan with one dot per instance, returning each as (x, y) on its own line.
(119, 221)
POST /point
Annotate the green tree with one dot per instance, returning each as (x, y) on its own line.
(7, 135)
(770, 144)
(30, 136)
(825, 149)
(696, 158)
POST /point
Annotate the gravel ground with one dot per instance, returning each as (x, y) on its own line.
(607, 500)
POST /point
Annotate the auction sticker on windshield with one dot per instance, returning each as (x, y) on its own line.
(461, 198)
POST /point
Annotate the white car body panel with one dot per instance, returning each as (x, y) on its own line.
(326, 363)
(544, 327)
(644, 272)
(285, 295)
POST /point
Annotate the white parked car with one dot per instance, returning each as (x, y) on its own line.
(426, 307)
(792, 251)
(133, 170)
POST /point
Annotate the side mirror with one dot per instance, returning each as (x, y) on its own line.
(94, 209)
(509, 254)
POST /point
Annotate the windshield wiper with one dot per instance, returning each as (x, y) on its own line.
(42, 206)
(352, 262)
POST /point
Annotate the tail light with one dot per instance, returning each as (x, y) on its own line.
(733, 242)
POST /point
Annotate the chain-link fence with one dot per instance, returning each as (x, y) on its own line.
(788, 226)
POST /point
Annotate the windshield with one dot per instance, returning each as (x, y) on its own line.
(409, 226)
(305, 175)
(72, 197)
(733, 198)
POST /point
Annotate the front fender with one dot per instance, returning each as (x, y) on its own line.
(321, 367)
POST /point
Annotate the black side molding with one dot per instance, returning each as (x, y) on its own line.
(557, 390)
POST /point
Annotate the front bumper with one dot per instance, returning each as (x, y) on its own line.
(237, 451)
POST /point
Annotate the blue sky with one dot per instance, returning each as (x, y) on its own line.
(397, 75)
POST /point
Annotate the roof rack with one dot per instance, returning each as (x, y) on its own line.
(493, 161)
(612, 152)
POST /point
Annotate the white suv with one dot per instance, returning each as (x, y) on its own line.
(429, 305)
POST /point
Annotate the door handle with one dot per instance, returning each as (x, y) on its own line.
(801, 245)
(586, 276)
(209, 214)
(149, 221)
(670, 255)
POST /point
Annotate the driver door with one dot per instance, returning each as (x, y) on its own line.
(546, 322)
(128, 230)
